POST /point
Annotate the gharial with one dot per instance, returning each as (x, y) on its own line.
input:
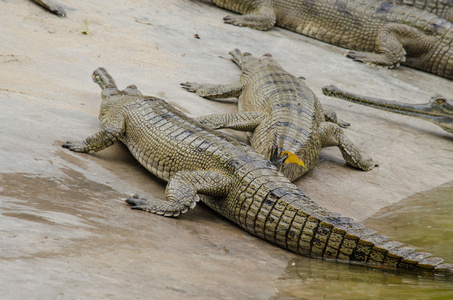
(284, 118)
(200, 163)
(377, 32)
(439, 110)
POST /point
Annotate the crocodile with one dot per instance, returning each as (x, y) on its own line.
(439, 110)
(202, 164)
(52, 6)
(376, 32)
(441, 8)
(282, 114)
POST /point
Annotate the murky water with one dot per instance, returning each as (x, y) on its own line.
(424, 219)
(312, 279)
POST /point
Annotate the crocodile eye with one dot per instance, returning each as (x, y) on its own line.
(267, 54)
(246, 54)
(440, 101)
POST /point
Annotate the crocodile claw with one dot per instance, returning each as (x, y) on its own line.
(136, 201)
(230, 20)
(163, 208)
(279, 160)
(343, 124)
(201, 90)
(74, 146)
(190, 86)
(375, 59)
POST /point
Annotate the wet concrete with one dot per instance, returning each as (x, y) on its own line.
(64, 231)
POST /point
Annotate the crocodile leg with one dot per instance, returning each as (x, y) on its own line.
(332, 135)
(132, 90)
(260, 14)
(214, 90)
(246, 121)
(182, 190)
(331, 116)
(393, 42)
(99, 141)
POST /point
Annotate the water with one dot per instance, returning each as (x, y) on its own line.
(311, 279)
(424, 219)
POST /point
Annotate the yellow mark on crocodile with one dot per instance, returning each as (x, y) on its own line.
(293, 158)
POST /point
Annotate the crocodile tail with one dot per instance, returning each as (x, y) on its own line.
(310, 230)
(356, 243)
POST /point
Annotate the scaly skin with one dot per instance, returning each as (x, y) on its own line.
(439, 110)
(282, 113)
(200, 163)
(441, 8)
(378, 32)
(52, 6)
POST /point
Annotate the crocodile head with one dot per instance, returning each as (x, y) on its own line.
(110, 93)
(250, 64)
(439, 110)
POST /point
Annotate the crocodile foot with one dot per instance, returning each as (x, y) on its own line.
(375, 59)
(192, 87)
(212, 91)
(256, 21)
(234, 20)
(365, 164)
(343, 124)
(331, 116)
(159, 207)
(76, 146)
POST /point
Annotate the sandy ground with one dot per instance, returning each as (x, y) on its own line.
(65, 233)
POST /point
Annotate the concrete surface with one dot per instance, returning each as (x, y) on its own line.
(65, 233)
